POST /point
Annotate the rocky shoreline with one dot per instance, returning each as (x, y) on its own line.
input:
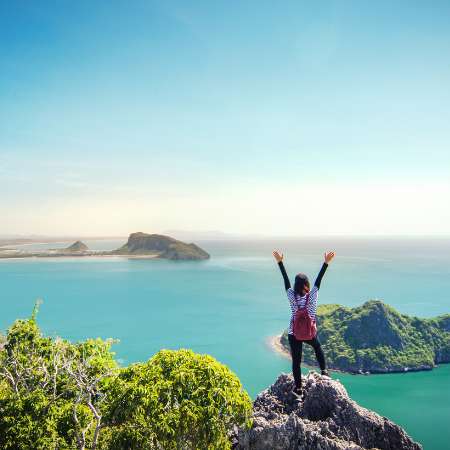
(325, 418)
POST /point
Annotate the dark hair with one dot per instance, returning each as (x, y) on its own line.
(301, 280)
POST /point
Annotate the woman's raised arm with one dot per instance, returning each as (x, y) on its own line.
(327, 259)
(279, 259)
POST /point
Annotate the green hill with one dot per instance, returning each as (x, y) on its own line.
(77, 246)
(160, 246)
(376, 338)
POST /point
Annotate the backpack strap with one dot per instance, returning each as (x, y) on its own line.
(307, 300)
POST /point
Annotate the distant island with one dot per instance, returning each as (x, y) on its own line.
(375, 338)
(77, 246)
(161, 247)
(139, 245)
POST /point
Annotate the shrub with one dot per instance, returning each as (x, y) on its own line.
(177, 400)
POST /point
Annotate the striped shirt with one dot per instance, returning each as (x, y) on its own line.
(296, 302)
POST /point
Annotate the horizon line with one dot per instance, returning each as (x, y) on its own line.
(225, 236)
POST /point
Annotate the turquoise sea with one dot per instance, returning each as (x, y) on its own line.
(230, 305)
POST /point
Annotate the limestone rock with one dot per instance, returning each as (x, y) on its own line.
(326, 419)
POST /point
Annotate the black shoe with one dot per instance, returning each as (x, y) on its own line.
(325, 373)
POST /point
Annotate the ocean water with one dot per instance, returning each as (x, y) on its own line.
(230, 305)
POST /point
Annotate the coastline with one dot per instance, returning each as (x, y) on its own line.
(275, 345)
(71, 255)
(139, 246)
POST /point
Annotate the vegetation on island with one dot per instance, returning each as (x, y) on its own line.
(55, 394)
(77, 246)
(161, 246)
(376, 338)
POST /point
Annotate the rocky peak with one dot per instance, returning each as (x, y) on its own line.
(77, 246)
(326, 419)
(375, 323)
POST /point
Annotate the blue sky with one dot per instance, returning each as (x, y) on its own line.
(262, 117)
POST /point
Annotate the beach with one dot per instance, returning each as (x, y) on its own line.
(275, 344)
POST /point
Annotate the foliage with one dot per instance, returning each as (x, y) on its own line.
(162, 246)
(375, 337)
(2, 340)
(177, 400)
(55, 394)
(51, 390)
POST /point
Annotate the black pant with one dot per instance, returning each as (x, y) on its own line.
(296, 352)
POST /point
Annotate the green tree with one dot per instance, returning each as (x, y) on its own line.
(51, 391)
(177, 400)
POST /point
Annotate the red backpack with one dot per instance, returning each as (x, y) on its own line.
(305, 327)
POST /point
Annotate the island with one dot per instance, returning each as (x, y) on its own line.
(138, 245)
(77, 246)
(375, 338)
(160, 246)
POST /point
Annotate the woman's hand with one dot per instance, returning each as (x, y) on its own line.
(278, 256)
(328, 257)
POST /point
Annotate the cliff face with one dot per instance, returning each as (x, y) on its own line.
(376, 338)
(161, 246)
(326, 419)
(375, 325)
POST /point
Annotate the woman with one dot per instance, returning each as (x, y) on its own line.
(298, 297)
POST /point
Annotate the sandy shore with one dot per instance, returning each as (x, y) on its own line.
(274, 343)
(8, 256)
